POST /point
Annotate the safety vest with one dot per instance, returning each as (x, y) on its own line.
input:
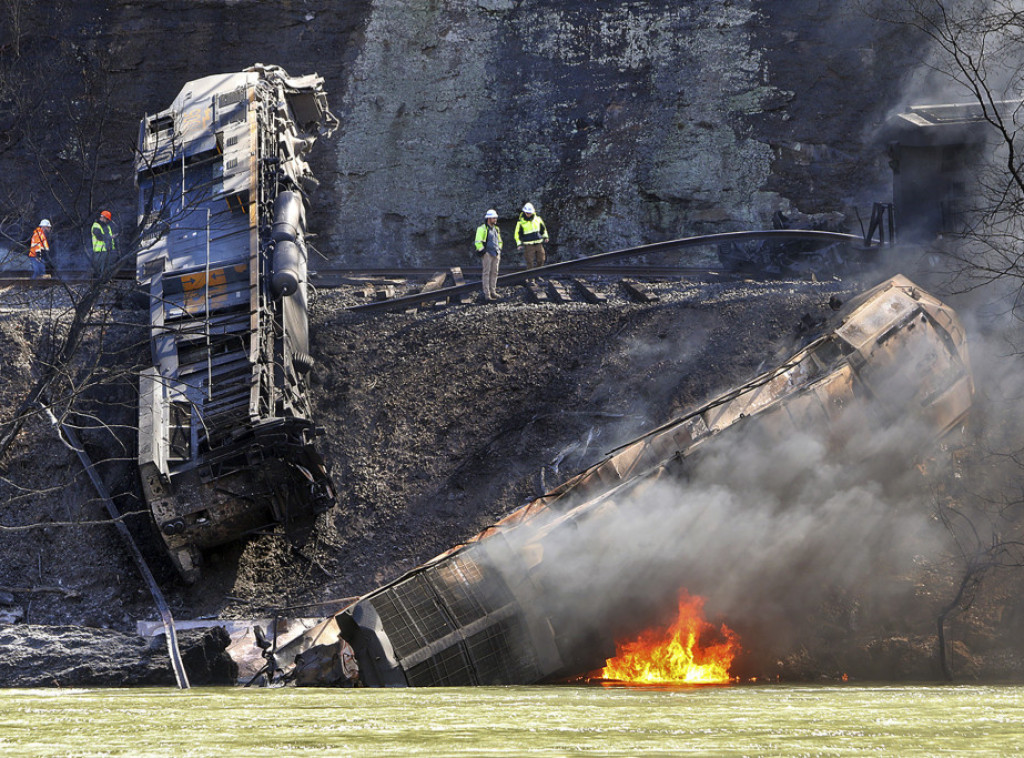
(38, 244)
(101, 235)
(481, 236)
(532, 230)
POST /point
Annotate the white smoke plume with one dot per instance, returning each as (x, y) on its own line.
(768, 529)
(765, 528)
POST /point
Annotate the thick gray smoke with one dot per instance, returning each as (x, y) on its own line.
(765, 528)
(770, 529)
(815, 535)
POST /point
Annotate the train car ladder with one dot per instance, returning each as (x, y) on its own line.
(206, 308)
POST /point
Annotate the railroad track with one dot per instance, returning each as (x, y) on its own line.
(340, 277)
(394, 289)
(436, 288)
(335, 278)
(459, 291)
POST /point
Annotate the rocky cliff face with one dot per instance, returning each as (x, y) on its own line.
(624, 122)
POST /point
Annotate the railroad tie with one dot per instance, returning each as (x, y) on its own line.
(459, 279)
(559, 292)
(535, 292)
(435, 282)
(637, 293)
(588, 293)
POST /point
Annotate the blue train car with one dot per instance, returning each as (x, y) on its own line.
(226, 438)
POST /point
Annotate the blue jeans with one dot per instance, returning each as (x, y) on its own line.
(38, 267)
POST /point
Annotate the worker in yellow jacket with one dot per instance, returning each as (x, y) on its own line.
(488, 248)
(104, 243)
(531, 234)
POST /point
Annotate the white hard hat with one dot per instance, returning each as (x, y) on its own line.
(491, 214)
(45, 222)
(528, 208)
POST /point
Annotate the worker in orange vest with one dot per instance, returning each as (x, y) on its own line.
(40, 243)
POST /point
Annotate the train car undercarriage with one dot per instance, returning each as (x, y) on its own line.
(226, 437)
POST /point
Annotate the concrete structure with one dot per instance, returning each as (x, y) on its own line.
(936, 153)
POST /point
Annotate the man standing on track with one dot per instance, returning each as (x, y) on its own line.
(531, 234)
(488, 247)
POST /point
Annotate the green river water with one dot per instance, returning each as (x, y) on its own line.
(849, 720)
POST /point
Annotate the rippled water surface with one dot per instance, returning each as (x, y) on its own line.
(529, 721)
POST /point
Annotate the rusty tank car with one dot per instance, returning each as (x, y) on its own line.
(226, 438)
(483, 612)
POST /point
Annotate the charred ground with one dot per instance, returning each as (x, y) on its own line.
(436, 423)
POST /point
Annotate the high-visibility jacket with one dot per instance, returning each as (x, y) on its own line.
(102, 237)
(481, 238)
(38, 244)
(530, 230)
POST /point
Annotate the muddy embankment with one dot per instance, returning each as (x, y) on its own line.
(436, 424)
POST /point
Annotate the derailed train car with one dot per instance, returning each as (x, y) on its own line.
(494, 611)
(226, 439)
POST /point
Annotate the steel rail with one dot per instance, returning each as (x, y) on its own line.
(327, 278)
(330, 278)
(552, 268)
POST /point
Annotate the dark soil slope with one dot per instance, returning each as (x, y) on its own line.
(436, 424)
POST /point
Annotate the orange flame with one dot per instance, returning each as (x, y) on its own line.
(675, 655)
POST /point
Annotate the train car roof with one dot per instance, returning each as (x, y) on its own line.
(946, 123)
(202, 89)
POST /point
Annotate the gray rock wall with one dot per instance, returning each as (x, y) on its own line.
(613, 118)
(624, 122)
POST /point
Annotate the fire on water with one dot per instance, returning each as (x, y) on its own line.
(690, 651)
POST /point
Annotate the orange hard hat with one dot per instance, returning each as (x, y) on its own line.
(106, 215)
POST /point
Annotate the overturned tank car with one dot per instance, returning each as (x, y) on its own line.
(496, 610)
(226, 438)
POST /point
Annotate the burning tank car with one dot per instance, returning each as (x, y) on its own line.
(226, 442)
(500, 609)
